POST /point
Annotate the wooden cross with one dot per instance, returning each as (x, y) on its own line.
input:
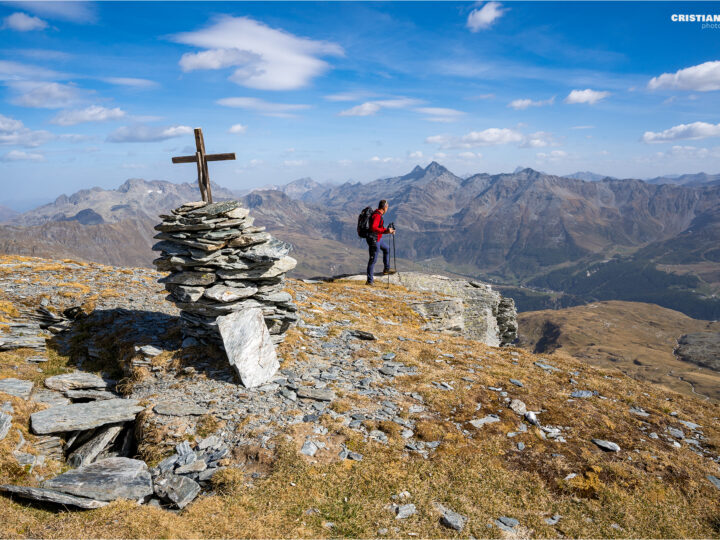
(201, 158)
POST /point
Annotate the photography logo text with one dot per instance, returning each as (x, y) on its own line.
(708, 20)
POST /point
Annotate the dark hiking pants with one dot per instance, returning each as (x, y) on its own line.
(373, 246)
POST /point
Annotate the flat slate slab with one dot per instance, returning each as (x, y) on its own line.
(82, 416)
(52, 398)
(106, 480)
(78, 380)
(16, 387)
(179, 408)
(48, 495)
(5, 422)
(91, 449)
(319, 394)
(10, 342)
(248, 346)
(90, 393)
(213, 209)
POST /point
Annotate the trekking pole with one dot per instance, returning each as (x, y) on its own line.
(394, 257)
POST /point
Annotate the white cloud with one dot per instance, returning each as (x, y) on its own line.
(694, 131)
(487, 137)
(93, 113)
(551, 156)
(142, 133)
(131, 81)
(704, 77)
(586, 96)
(267, 108)
(13, 132)
(417, 154)
(539, 139)
(369, 108)
(348, 96)
(41, 54)
(19, 155)
(470, 155)
(79, 12)
(492, 136)
(480, 19)
(75, 137)
(582, 127)
(237, 128)
(521, 104)
(266, 58)
(366, 109)
(293, 162)
(45, 95)
(377, 159)
(23, 23)
(690, 152)
(440, 114)
(439, 155)
(15, 71)
(217, 59)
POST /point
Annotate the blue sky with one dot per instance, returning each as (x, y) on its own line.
(94, 93)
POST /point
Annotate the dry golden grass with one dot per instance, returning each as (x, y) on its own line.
(649, 489)
(634, 337)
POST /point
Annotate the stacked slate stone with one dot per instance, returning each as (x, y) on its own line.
(220, 263)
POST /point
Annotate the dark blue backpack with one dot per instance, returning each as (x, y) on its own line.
(363, 225)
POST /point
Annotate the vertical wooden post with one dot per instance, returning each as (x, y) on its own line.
(200, 145)
(201, 177)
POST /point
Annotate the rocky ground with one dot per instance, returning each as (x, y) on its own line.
(375, 425)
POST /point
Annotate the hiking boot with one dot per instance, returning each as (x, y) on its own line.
(389, 272)
(370, 283)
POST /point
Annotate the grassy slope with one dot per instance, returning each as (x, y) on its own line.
(635, 337)
(649, 489)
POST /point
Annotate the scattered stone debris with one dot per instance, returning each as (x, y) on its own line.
(507, 523)
(84, 416)
(52, 496)
(553, 520)
(5, 423)
(106, 480)
(714, 480)
(489, 419)
(16, 387)
(453, 520)
(404, 511)
(608, 446)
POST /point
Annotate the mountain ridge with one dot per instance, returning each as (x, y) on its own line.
(527, 228)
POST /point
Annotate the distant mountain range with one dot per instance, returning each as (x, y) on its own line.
(588, 176)
(550, 241)
(697, 179)
(6, 214)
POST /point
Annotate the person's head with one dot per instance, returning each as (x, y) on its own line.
(383, 206)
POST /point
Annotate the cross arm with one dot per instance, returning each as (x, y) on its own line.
(209, 157)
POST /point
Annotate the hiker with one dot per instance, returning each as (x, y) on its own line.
(374, 241)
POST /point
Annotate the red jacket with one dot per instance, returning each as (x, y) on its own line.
(376, 224)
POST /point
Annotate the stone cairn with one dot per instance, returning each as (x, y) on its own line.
(221, 264)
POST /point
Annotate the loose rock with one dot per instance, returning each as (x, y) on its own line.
(106, 480)
(82, 416)
(49, 495)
